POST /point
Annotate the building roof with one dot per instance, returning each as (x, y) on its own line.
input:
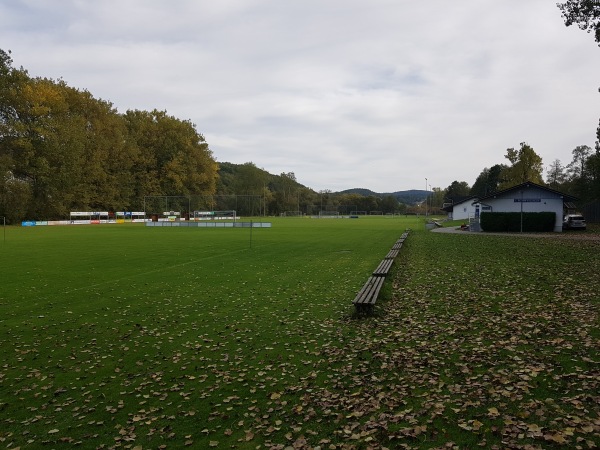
(527, 185)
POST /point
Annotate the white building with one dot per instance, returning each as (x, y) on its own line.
(463, 209)
(526, 197)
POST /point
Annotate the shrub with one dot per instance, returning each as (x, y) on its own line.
(511, 221)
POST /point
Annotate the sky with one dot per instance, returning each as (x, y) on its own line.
(386, 95)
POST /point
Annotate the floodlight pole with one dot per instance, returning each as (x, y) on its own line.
(426, 195)
(4, 227)
(430, 201)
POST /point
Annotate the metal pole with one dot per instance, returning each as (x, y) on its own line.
(521, 211)
(426, 195)
(431, 200)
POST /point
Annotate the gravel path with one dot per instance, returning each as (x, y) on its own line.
(575, 235)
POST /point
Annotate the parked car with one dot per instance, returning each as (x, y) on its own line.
(574, 222)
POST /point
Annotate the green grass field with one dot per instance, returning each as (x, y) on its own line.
(122, 336)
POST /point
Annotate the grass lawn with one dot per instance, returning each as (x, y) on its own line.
(132, 337)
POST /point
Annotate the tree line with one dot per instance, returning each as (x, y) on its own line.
(579, 178)
(283, 195)
(62, 150)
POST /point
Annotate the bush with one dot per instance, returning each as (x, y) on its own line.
(511, 222)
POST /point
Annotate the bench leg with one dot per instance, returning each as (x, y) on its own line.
(364, 309)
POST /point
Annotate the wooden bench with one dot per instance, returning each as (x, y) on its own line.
(383, 268)
(364, 301)
(392, 254)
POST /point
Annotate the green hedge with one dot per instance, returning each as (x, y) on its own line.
(504, 221)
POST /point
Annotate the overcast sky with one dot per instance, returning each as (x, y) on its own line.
(379, 94)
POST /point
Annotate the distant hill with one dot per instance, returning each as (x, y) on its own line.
(248, 178)
(409, 197)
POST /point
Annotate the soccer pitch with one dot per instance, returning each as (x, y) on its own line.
(117, 335)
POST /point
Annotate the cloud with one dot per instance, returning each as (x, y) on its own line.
(378, 94)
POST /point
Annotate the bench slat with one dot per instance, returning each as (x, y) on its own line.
(383, 268)
(391, 254)
(367, 296)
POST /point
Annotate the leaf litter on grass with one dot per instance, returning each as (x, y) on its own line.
(471, 352)
(467, 352)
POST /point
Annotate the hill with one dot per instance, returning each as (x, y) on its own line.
(410, 197)
(248, 178)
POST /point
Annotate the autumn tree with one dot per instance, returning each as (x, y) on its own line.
(62, 150)
(15, 191)
(172, 157)
(48, 151)
(526, 165)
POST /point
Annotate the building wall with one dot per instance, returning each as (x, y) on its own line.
(463, 211)
(531, 200)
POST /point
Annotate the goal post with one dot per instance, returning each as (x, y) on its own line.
(156, 206)
(329, 214)
(215, 215)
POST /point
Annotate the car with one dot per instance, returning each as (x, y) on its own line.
(574, 222)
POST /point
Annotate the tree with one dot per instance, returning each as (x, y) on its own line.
(174, 158)
(15, 191)
(457, 189)
(63, 150)
(577, 167)
(580, 172)
(526, 165)
(389, 204)
(290, 191)
(598, 140)
(436, 199)
(488, 181)
(584, 13)
(556, 175)
(15, 194)
(250, 180)
(593, 165)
